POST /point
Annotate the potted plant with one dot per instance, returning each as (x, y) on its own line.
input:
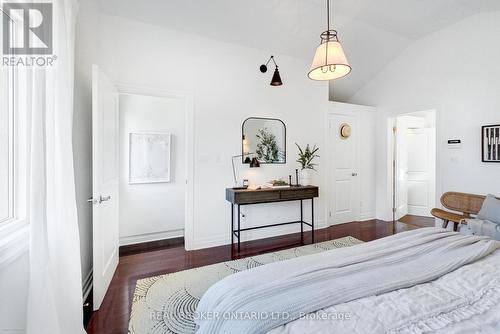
(306, 157)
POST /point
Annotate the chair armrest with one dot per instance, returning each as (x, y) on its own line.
(446, 215)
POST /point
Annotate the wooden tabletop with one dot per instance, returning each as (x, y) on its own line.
(265, 195)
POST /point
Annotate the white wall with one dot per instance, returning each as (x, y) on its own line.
(152, 211)
(367, 125)
(14, 295)
(456, 72)
(227, 88)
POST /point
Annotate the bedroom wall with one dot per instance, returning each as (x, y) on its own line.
(131, 52)
(152, 211)
(205, 68)
(14, 295)
(456, 72)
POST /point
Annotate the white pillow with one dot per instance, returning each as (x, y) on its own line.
(490, 209)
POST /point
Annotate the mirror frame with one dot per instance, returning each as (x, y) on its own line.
(243, 137)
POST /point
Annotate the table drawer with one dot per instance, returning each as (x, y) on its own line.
(299, 194)
(256, 197)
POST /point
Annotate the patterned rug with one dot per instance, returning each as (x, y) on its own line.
(166, 303)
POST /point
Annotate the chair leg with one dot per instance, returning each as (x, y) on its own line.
(445, 223)
(455, 226)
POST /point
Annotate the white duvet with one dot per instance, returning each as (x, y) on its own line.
(466, 300)
(433, 280)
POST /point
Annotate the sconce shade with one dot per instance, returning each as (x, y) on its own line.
(329, 62)
(276, 80)
(255, 163)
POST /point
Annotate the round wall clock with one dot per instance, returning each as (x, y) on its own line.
(345, 130)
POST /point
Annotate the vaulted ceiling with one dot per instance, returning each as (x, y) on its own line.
(373, 32)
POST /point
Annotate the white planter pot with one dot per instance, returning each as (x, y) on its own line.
(305, 177)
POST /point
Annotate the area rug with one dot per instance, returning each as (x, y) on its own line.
(166, 303)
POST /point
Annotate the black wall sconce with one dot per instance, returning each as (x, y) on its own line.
(276, 80)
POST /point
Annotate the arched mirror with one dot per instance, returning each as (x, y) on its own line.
(264, 139)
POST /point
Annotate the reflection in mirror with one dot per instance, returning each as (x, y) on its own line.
(264, 139)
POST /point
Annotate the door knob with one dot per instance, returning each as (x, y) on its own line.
(354, 174)
(104, 199)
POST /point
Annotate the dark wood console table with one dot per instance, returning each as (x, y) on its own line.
(239, 197)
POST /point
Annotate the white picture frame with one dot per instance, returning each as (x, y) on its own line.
(149, 157)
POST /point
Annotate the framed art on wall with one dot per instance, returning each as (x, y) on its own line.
(491, 143)
(149, 157)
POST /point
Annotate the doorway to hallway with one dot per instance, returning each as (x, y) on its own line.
(414, 164)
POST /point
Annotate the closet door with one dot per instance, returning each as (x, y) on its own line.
(344, 161)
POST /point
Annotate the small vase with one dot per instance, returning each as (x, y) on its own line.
(305, 178)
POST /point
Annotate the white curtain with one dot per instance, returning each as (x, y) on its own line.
(55, 285)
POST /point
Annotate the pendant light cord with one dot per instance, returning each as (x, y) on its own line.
(327, 35)
(328, 14)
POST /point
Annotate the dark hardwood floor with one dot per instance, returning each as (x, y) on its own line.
(113, 316)
(419, 221)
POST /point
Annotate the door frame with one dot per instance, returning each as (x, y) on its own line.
(391, 158)
(350, 110)
(396, 172)
(188, 99)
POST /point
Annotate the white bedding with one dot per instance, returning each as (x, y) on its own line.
(466, 300)
(342, 277)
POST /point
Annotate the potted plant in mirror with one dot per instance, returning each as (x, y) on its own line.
(267, 148)
(306, 158)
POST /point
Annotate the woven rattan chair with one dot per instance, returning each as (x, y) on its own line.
(465, 204)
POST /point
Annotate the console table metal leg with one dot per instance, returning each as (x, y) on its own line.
(301, 223)
(239, 231)
(232, 225)
(312, 218)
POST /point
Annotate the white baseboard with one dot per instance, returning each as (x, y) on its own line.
(367, 216)
(209, 242)
(137, 239)
(87, 285)
(362, 218)
(419, 211)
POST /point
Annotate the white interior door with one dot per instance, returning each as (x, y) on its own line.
(345, 202)
(421, 171)
(401, 170)
(105, 168)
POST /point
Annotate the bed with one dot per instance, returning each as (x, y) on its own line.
(426, 280)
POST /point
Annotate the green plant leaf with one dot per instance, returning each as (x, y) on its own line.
(307, 155)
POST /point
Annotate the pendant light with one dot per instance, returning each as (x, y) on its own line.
(329, 62)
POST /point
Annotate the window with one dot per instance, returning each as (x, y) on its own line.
(7, 126)
(14, 155)
(14, 127)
